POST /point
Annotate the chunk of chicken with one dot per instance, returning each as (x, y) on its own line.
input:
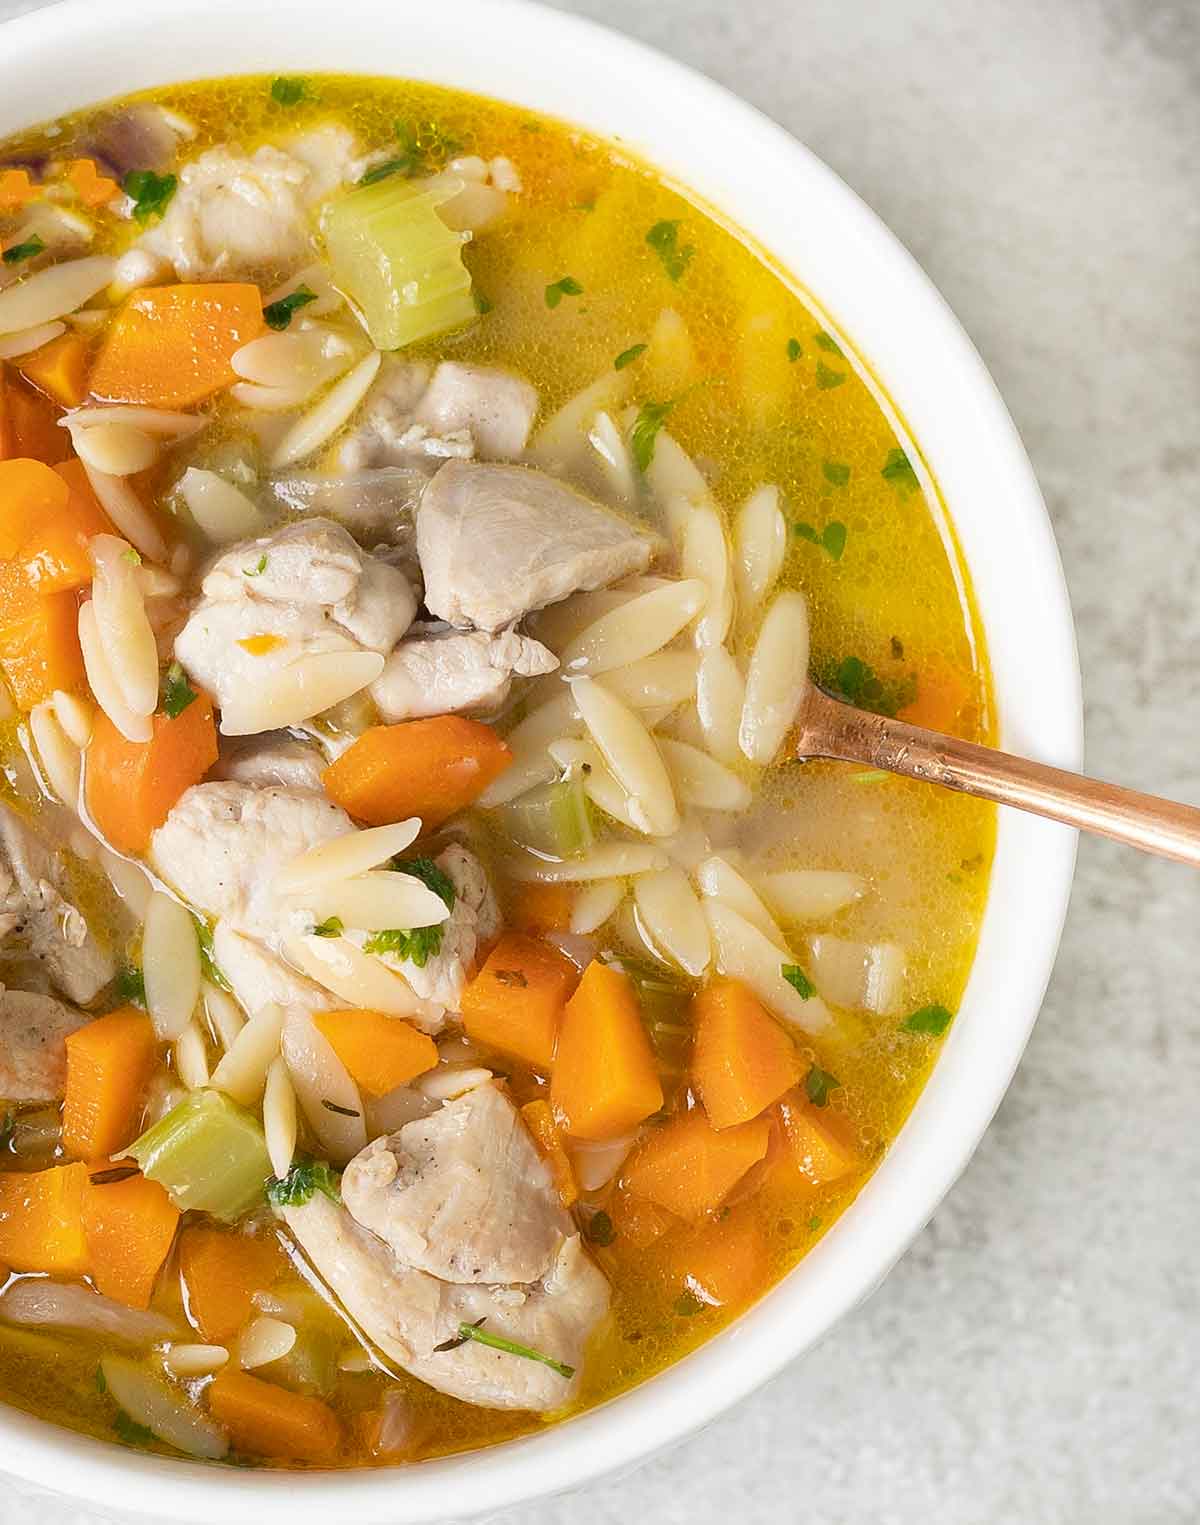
(272, 759)
(463, 1194)
(444, 671)
(223, 843)
(496, 408)
(305, 590)
(235, 213)
(36, 909)
(408, 1314)
(474, 919)
(257, 977)
(497, 542)
(33, 1055)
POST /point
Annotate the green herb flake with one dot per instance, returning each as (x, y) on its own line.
(568, 286)
(687, 1305)
(101, 1380)
(404, 165)
(177, 692)
(332, 926)
(257, 570)
(858, 682)
(663, 238)
(482, 305)
(644, 435)
(897, 470)
(481, 1336)
(302, 1182)
(833, 538)
(794, 351)
(130, 1433)
(817, 1085)
(835, 473)
(209, 967)
(431, 876)
(828, 379)
(871, 776)
(933, 1020)
(16, 253)
(131, 556)
(289, 91)
(150, 193)
(628, 356)
(278, 315)
(828, 343)
(798, 980)
(813, 1225)
(130, 986)
(417, 944)
(600, 1229)
(806, 532)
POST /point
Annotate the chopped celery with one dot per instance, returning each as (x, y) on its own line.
(396, 258)
(553, 819)
(209, 1153)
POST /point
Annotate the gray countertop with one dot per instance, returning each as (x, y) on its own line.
(1034, 1356)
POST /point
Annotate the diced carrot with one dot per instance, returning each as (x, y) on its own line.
(59, 369)
(817, 1149)
(605, 1081)
(41, 1220)
(539, 1119)
(266, 1420)
(30, 494)
(943, 692)
(540, 908)
(222, 1270)
(132, 785)
(39, 647)
(29, 423)
(129, 1226)
(92, 188)
(55, 556)
(381, 1052)
(16, 189)
(516, 1000)
(742, 1060)
(689, 1168)
(636, 1222)
(429, 768)
(723, 1263)
(170, 346)
(109, 1061)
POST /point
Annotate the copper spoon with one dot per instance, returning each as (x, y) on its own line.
(827, 727)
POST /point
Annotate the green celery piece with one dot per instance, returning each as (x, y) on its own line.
(396, 258)
(553, 819)
(208, 1153)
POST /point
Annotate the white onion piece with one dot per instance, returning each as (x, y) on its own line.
(163, 1410)
(705, 555)
(637, 629)
(595, 904)
(29, 339)
(301, 690)
(309, 433)
(630, 753)
(170, 966)
(671, 913)
(802, 894)
(700, 780)
(607, 860)
(195, 1360)
(719, 880)
(279, 1118)
(319, 1076)
(121, 622)
(104, 685)
(744, 953)
(777, 680)
(346, 857)
(53, 292)
(376, 901)
(859, 975)
(358, 978)
(720, 695)
(222, 511)
(263, 1340)
(573, 945)
(760, 544)
(127, 511)
(64, 1305)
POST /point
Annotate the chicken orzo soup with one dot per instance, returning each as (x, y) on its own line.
(433, 999)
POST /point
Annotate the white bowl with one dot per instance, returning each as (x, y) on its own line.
(867, 288)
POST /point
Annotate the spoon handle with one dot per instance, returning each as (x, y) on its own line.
(829, 728)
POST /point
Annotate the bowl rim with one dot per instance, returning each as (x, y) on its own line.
(579, 70)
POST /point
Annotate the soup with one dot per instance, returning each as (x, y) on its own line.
(434, 998)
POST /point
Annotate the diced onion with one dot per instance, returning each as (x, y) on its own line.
(222, 511)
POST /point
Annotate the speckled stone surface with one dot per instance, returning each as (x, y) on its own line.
(1033, 1360)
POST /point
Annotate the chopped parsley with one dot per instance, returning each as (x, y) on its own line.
(600, 1229)
(150, 193)
(798, 980)
(130, 985)
(794, 351)
(422, 146)
(177, 692)
(289, 91)
(813, 1225)
(15, 253)
(835, 473)
(332, 926)
(416, 944)
(481, 1336)
(568, 286)
(663, 238)
(858, 682)
(404, 165)
(828, 379)
(650, 419)
(278, 315)
(827, 342)
(817, 1085)
(208, 964)
(257, 570)
(933, 1020)
(101, 1380)
(831, 539)
(628, 356)
(305, 1178)
(431, 876)
(482, 304)
(131, 556)
(129, 1432)
(897, 470)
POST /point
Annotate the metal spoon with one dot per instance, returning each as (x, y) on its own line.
(827, 727)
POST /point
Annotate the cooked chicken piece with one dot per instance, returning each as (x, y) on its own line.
(495, 408)
(496, 542)
(407, 1314)
(235, 213)
(257, 977)
(444, 671)
(33, 1056)
(463, 1194)
(474, 919)
(270, 760)
(223, 843)
(304, 590)
(386, 419)
(34, 908)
